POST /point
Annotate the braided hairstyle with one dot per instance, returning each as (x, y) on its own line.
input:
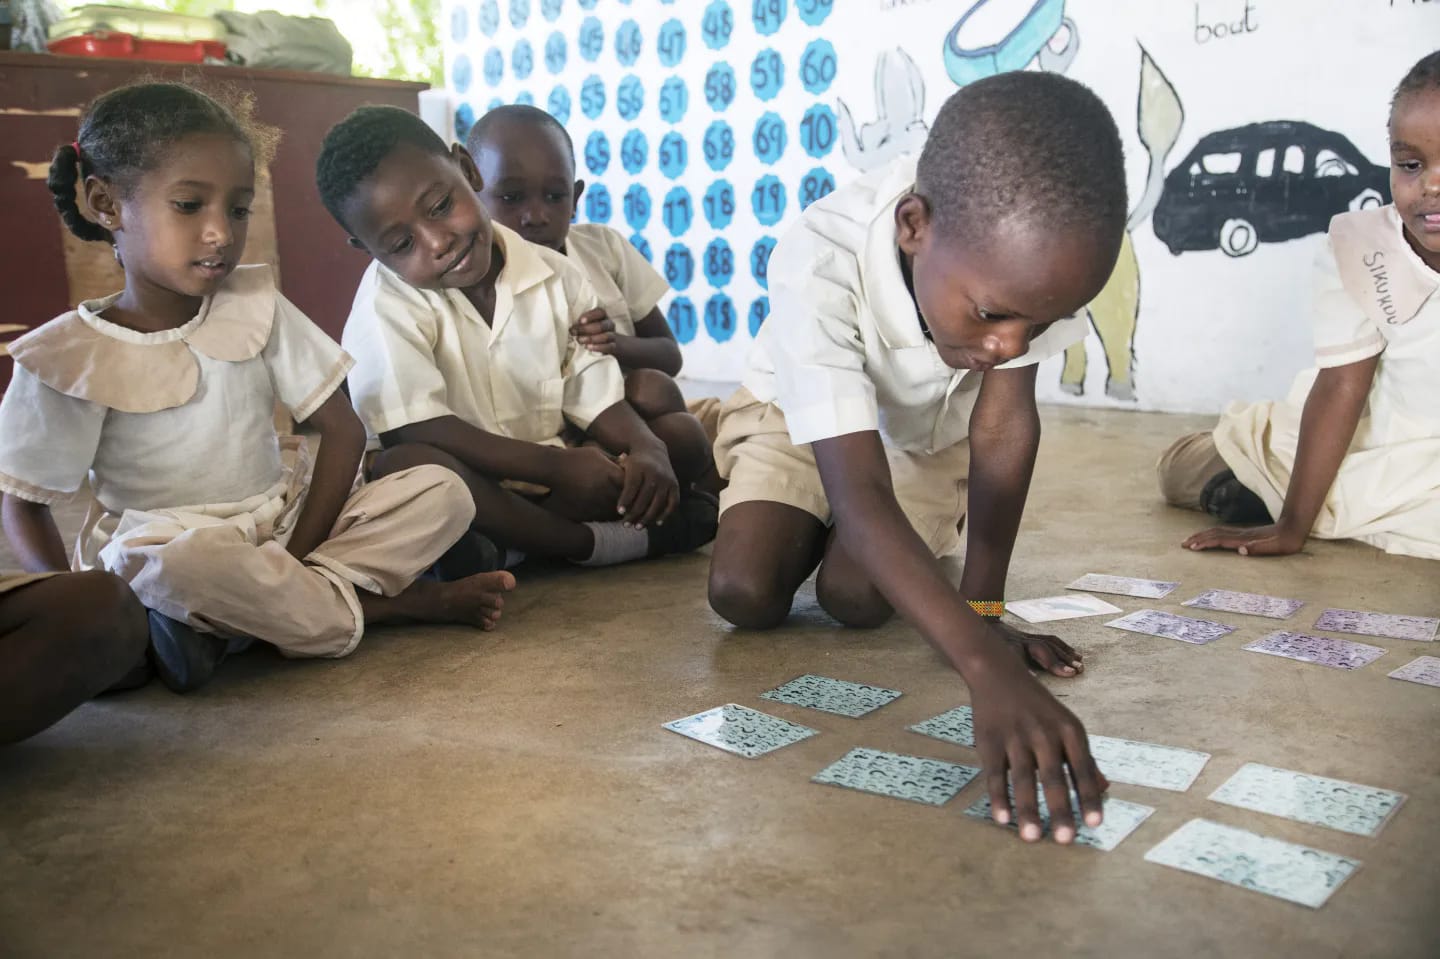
(127, 132)
(1424, 75)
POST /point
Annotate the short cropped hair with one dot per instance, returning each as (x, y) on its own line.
(356, 146)
(516, 113)
(1026, 145)
(1424, 75)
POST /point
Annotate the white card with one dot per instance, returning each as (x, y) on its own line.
(741, 730)
(1318, 800)
(1155, 622)
(1251, 604)
(1123, 586)
(1385, 625)
(1073, 606)
(1277, 868)
(1147, 764)
(1422, 669)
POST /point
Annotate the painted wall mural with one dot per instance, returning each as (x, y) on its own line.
(703, 127)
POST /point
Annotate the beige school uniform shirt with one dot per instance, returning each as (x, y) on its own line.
(843, 350)
(424, 354)
(628, 286)
(1374, 297)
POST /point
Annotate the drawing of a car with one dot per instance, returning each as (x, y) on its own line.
(1264, 182)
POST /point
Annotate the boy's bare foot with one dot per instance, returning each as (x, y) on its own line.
(475, 601)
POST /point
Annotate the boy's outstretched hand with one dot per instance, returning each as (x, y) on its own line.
(1270, 540)
(1020, 729)
(1049, 654)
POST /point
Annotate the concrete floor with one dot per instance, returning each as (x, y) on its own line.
(444, 793)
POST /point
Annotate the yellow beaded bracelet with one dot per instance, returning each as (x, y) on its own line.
(990, 608)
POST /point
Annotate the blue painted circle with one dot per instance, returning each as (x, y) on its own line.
(767, 74)
(760, 260)
(818, 129)
(720, 317)
(682, 319)
(550, 9)
(769, 138)
(720, 87)
(759, 311)
(464, 120)
(768, 15)
(519, 13)
(558, 105)
(592, 96)
(674, 155)
(719, 145)
(671, 42)
(630, 97)
(634, 152)
(597, 153)
(643, 245)
(814, 12)
(719, 204)
(460, 74)
(677, 211)
(525, 97)
(494, 103)
(587, 4)
(522, 60)
(818, 65)
(557, 51)
(494, 66)
(719, 262)
(459, 24)
(597, 204)
(674, 100)
(637, 206)
(816, 184)
(767, 200)
(679, 267)
(488, 17)
(718, 24)
(628, 43)
(592, 39)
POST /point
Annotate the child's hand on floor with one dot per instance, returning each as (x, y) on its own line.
(1021, 729)
(1048, 654)
(651, 491)
(1272, 540)
(587, 485)
(595, 332)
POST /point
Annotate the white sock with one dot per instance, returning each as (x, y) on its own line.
(615, 543)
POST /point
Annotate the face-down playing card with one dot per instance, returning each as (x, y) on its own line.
(1321, 650)
(915, 778)
(1384, 625)
(832, 695)
(1121, 819)
(1124, 586)
(741, 730)
(1155, 622)
(1318, 800)
(1250, 604)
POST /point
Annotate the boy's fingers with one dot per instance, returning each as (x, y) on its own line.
(630, 488)
(1027, 811)
(1057, 793)
(1090, 785)
(999, 798)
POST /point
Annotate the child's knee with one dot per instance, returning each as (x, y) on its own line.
(653, 394)
(747, 600)
(110, 612)
(858, 605)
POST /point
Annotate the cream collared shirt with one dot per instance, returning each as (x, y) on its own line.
(843, 350)
(628, 286)
(424, 354)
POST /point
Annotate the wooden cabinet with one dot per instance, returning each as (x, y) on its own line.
(45, 271)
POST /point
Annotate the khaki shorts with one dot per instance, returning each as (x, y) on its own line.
(755, 454)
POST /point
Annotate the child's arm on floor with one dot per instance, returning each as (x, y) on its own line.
(1004, 439)
(1019, 727)
(651, 491)
(33, 535)
(653, 346)
(1327, 426)
(342, 444)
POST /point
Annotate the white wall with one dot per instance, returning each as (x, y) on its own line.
(1210, 327)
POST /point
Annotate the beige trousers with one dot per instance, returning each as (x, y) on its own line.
(1185, 468)
(230, 575)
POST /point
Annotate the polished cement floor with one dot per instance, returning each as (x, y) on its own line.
(447, 793)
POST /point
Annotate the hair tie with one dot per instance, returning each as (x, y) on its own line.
(75, 144)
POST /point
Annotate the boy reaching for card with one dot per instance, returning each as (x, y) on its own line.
(460, 332)
(910, 309)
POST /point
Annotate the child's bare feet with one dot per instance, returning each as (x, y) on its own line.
(475, 601)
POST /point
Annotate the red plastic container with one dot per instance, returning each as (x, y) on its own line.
(125, 46)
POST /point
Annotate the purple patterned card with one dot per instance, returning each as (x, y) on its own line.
(1250, 604)
(1154, 622)
(1378, 624)
(1336, 653)
(1423, 669)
